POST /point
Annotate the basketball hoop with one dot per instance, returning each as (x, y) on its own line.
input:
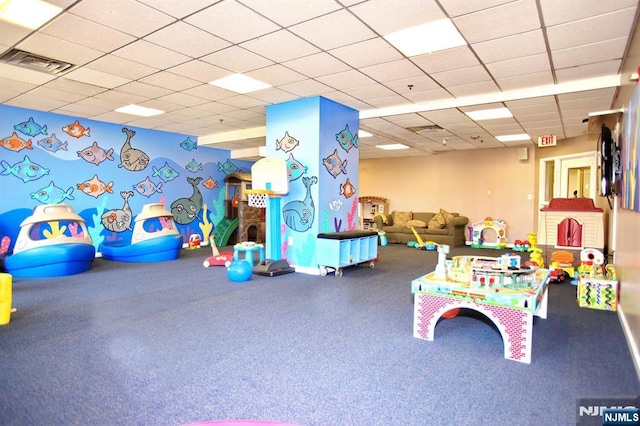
(258, 197)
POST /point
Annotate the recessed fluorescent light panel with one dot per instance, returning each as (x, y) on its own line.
(426, 38)
(28, 13)
(514, 138)
(489, 114)
(240, 83)
(139, 110)
(392, 146)
(364, 134)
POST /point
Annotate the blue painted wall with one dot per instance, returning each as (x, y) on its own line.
(318, 139)
(85, 165)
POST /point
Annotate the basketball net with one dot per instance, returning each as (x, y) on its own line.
(258, 197)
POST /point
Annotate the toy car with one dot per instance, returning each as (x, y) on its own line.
(558, 276)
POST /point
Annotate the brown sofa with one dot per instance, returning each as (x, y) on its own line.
(452, 234)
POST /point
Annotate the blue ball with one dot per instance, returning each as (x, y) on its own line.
(239, 271)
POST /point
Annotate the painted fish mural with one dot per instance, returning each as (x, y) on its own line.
(130, 158)
(31, 128)
(193, 166)
(227, 167)
(186, 210)
(119, 220)
(287, 143)
(188, 144)
(76, 130)
(16, 143)
(53, 144)
(52, 194)
(295, 169)
(210, 183)
(298, 215)
(26, 170)
(95, 187)
(95, 155)
(334, 164)
(348, 190)
(347, 139)
(166, 173)
(147, 187)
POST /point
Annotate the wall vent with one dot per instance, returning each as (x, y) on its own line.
(425, 129)
(36, 62)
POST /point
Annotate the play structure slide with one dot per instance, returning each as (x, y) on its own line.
(223, 231)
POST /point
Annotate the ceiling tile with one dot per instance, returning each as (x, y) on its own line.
(456, 7)
(187, 39)
(591, 30)
(520, 66)
(528, 80)
(62, 50)
(317, 30)
(209, 92)
(237, 59)
(290, 12)
(12, 34)
(511, 47)
(372, 92)
(581, 72)
(199, 70)
(276, 75)
(170, 81)
(145, 90)
(270, 46)
(11, 72)
(182, 99)
(467, 75)
(592, 53)
(317, 65)
(387, 16)
(128, 16)
(496, 22)
(122, 67)
(390, 71)
(151, 54)
(558, 12)
(96, 78)
(178, 9)
(446, 60)
(81, 31)
(232, 21)
(306, 88)
(345, 80)
(369, 52)
(76, 87)
(472, 89)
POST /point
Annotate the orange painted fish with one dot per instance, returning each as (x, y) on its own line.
(95, 187)
(347, 189)
(210, 183)
(15, 143)
(76, 130)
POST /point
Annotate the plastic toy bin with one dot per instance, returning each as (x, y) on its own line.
(336, 250)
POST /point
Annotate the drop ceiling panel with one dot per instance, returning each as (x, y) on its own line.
(386, 16)
(446, 60)
(237, 59)
(97, 78)
(170, 80)
(466, 75)
(365, 53)
(121, 67)
(592, 53)
(231, 21)
(177, 9)
(390, 71)
(346, 80)
(496, 22)
(520, 66)
(62, 50)
(558, 12)
(187, 39)
(12, 34)
(151, 54)
(473, 89)
(290, 12)
(270, 46)
(90, 34)
(511, 47)
(317, 65)
(317, 31)
(597, 69)
(543, 78)
(127, 16)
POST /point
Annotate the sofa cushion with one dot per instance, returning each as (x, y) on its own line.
(415, 223)
(401, 218)
(437, 222)
(447, 216)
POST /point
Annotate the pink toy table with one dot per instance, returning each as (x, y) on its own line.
(510, 307)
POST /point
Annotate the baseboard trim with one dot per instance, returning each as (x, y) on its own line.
(631, 342)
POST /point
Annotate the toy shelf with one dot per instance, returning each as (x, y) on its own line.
(369, 207)
(337, 250)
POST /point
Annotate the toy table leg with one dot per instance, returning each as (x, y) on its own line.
(516, 326)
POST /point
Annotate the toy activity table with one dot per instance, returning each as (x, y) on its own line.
(510, 308)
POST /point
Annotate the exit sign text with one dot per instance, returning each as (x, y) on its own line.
(547, 140)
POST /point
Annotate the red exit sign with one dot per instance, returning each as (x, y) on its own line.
(547, 140)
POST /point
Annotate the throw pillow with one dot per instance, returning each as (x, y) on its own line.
(447, 217)
(437, 222)
(401, 218)
(415, 223)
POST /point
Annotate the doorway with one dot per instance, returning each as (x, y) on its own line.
(568, 176)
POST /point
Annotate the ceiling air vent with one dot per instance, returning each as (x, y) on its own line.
(425, 129)
(36, 62)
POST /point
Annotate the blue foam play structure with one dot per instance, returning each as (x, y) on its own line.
(155, 238)
(52, 242)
